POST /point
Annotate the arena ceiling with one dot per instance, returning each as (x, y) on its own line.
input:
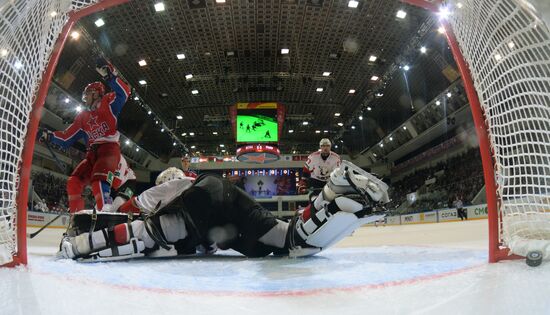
(234, 53)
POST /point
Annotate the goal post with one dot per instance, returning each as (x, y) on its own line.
(32, 36)
(502, 49)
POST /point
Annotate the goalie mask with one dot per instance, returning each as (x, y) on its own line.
(169, 174)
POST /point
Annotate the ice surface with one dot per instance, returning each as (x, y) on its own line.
(396, 279)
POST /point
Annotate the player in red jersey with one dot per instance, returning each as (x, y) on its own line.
(98, 127)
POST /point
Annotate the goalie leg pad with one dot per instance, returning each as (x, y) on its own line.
(327, 226)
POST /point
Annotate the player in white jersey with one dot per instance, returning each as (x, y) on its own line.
(183, 213)
(123, 183)
(318, 166)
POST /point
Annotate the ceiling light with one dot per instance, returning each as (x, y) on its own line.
(99, 22)
(220, 1)
(353, 4)
(137, 149)
(305, 123)
(325, 131)
(183, 134)
(180, 56)
(319, 90)
(189, 76)
(127, 142)
(379, 94)
(423, 49)
(142, 62)
(351, 91)
(159, 7)
(360, 117)
(162, 130)
(317, 131)
(53, 14)
(326, 74)
(511, 45)
(449, 95)
(444, 13)
(352, 127)
(79, 108)
(180, 117)
(215, 133)
(221, 145)
(174, 143)
(18, 65)
(391, 138)
(149, 113)
(459, 5)
(406, 67)
(441, 30)
(230, 53)
(75, 35)
(142, 82)
(192, 134)
(290, 131)
(498, 57)
(195, 92)
(336, 146)
(381, 145)
(340, 124)
(285, 51)
(437, 103)
(3, 52)
(369, 108)
(67, 100)
(337, 114)
(374, 78)
(401, 14)
(193, 147)
(136, 98)
(372, 58)
(156, 122)
(404, 127)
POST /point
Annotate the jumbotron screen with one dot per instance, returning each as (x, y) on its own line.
(257, 126)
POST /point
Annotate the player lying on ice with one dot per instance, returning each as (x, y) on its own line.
(181, 214)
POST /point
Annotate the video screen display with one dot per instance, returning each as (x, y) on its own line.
(257, 126)
(267, 186)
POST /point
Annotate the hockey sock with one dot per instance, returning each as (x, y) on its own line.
(74, 193)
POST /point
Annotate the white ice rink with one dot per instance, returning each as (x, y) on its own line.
(415, 269)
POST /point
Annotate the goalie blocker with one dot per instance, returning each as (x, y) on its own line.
(350, 199)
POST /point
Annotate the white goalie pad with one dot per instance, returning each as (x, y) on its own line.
(324, 229)
(348, 174)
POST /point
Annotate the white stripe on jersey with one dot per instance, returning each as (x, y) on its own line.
(147, 201)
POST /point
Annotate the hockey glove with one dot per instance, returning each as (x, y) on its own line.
(105, 68)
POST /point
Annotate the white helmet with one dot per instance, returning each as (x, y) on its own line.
(324, 141)
(169, 174)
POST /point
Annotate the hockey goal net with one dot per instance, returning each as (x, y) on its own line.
(504, 45)
(32, 34)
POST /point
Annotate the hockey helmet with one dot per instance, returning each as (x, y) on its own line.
(324, 141)
(96, 87)
(169, 174)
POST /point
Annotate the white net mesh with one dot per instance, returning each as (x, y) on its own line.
(507, 48)
(28, 31)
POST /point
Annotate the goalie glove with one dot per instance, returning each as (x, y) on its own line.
(105, 68)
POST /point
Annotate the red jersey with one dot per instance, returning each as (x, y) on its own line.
(100, 125)
(190, 174)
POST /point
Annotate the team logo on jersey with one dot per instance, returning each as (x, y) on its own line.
(92, 122)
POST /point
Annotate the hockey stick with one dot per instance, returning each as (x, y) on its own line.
(32, 235)
(57, 161)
